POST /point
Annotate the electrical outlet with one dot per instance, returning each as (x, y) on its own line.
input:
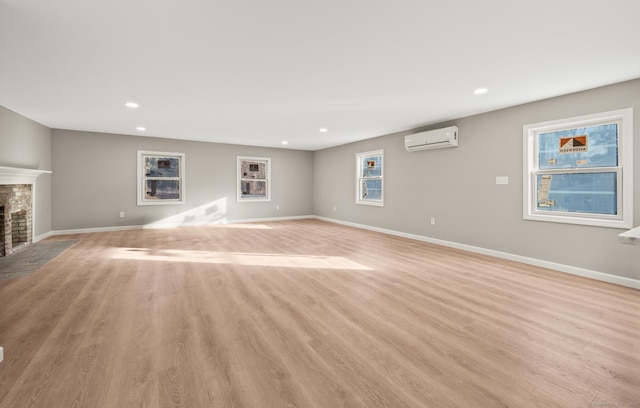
(277, 206)
(334, 208)
(121, 214)
(433, 221)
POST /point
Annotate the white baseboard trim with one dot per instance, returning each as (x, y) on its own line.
(41, 237)
(222, 221)
(295, 217)
(225, 221)
(601, 276)
(169, 225)
(91, 230)
(1, 354)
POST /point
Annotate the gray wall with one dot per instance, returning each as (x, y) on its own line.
(27, 144)
(95, 179)
(457, 186)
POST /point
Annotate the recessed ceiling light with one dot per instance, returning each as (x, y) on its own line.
(131, 105)
(324, 130)
(284, 142)
(141, 128)
(480, 91)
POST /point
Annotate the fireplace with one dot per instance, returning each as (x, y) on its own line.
(17, 190)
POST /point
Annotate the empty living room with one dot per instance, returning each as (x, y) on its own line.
(319, 204)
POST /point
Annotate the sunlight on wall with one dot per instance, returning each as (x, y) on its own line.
(214, 212)
(237, 258)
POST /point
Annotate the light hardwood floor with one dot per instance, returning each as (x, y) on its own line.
(309, 314)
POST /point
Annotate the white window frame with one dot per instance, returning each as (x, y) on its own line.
(241, 178)
(624, 170)
(142, 178)
(359, 178)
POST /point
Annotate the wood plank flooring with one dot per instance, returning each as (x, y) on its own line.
(309, 314)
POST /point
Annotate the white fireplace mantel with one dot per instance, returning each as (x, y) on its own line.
(15, 175)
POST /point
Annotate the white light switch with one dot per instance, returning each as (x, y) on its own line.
(502, 180)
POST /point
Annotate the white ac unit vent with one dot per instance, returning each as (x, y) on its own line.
(432, 139)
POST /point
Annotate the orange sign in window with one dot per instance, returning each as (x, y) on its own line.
(574, 144)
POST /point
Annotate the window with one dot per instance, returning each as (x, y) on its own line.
(579, 170)
(160, 178)
(254, 179)
(369, 178)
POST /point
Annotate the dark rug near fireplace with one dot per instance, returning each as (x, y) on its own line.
(30, 259)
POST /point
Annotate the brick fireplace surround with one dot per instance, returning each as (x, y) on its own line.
(16, 229)
(17, 192)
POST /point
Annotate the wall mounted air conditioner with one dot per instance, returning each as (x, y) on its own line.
(432, 139)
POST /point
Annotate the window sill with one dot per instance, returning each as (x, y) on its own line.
(630, 237)
(371, 203)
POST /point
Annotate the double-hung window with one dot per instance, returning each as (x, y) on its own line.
(579, 170)
(160, 178)
(254, 179)
(369, 178)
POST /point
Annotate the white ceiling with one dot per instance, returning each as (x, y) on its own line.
(258, 72)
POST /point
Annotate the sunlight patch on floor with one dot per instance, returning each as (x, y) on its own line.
(237, 258)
